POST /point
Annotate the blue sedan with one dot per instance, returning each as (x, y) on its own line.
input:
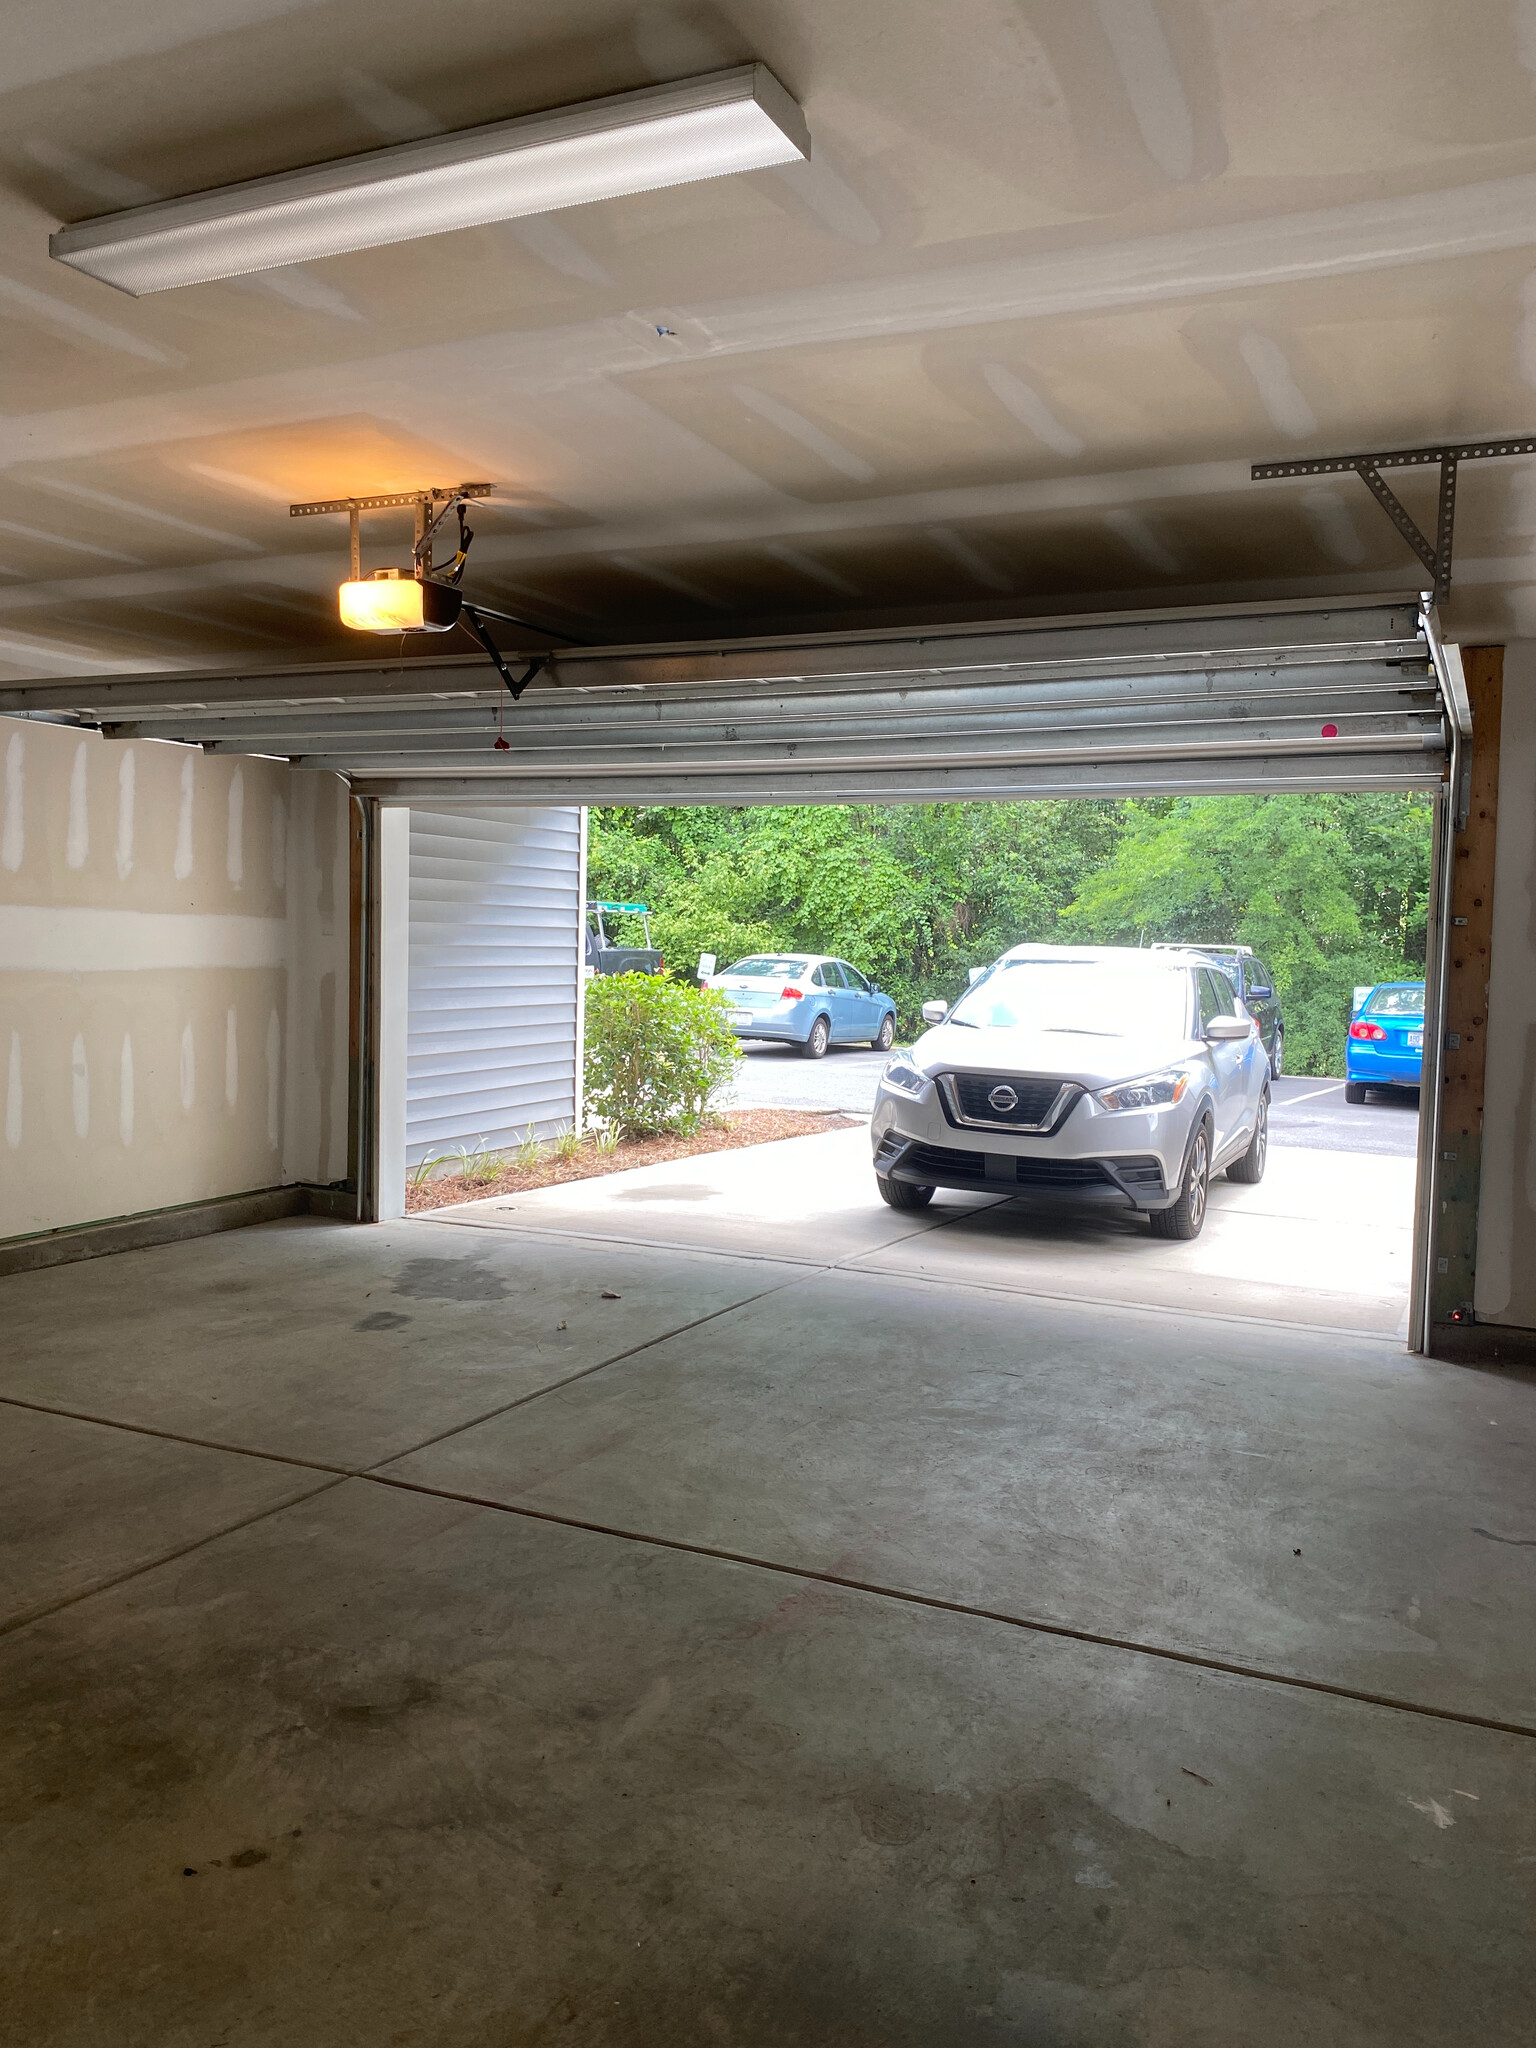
(1385, 1046)
(805, 1000)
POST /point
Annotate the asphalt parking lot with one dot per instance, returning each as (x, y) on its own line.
(1309, 1111)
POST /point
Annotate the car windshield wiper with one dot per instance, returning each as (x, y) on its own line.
(1075, 1031)
(964, 1023)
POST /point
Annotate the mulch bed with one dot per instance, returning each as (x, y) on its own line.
(736, 1128)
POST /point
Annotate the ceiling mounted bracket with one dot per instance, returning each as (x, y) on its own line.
(430, 506)
(1436, 558)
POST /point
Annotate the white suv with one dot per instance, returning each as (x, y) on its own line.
(1096, 1074)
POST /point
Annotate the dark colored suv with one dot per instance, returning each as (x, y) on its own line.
(1255, 984)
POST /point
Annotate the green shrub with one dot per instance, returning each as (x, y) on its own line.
(657, 1052)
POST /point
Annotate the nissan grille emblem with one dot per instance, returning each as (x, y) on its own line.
(1003, 1098)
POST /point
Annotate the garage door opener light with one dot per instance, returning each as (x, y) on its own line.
(423, 598)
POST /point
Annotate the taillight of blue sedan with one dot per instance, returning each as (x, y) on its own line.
(1384, 1047)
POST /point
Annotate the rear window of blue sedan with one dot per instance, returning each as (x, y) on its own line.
(769, 967)
(1396, 1002)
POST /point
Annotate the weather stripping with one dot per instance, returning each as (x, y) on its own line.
(737, 120)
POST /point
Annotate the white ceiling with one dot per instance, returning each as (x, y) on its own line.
(1055, 276)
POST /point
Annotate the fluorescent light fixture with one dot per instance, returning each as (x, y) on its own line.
(388, 602)
(738, 120)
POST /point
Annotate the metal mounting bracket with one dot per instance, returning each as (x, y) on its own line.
(431, 506)
(517, 685)
(1436, 558)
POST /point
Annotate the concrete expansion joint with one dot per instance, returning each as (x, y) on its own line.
(378, 1475)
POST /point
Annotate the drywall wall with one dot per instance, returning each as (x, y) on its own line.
(173, 976)
(1505, 1287)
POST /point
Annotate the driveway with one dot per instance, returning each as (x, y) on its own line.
(1324, 1239)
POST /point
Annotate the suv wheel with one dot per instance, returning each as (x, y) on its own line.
(816, 1043)
(1186, 1216)
(1250, 1167)
(1277, 1057)
(885, 1038)
(901, 1194)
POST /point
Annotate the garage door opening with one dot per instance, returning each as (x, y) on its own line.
(1239, 702)
(919, 901)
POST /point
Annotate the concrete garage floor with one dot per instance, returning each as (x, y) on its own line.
(828, 1641)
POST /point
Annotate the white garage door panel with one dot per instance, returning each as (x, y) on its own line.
(494, 930)
(1292, 695)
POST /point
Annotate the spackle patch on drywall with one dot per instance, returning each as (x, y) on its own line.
(125, 816)
(125, 1093)
(274, 1077)
(13, 1093)
(13, 838)
(1031, 410)
(1284, 402)
(234, 859)
(77, 834)
(279, 843)
(231, 1059)
(183, 863)
(1525, 334)
(80, 1087)
(1334, 525)
(188, 1069)
(1149, 71)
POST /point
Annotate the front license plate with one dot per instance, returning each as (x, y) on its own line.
(1416, 1038)
(739, 1016)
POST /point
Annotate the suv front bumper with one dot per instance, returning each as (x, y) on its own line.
(1113, 1158)
(1135, 1180)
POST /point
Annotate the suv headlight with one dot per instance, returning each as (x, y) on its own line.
(902, 1074)
(1151, 1092)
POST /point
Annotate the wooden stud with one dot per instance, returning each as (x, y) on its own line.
(1462, 1059)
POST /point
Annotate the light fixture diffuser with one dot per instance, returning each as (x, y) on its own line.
(388, 602)
(738, 120)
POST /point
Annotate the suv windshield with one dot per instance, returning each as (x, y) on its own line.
(769, 967)
(1396, 1002)
(1100, 997)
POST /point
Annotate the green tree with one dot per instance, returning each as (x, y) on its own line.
(912, 894)
(1331, 890)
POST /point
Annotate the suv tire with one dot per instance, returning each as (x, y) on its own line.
(816, 1040)
(885, 1037)
(1185, 1218)
(900, 1194)
(1250, 1167)
(1277, 1057)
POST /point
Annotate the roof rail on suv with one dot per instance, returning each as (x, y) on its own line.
(1195, 946)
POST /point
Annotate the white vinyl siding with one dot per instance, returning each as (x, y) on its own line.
(495, 976)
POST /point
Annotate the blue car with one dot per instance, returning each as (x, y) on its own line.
(1385, 1046)
(805, 1000)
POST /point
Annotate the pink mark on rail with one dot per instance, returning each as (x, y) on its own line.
(1330, 732)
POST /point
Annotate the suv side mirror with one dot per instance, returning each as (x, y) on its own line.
(1261, 992)
(935, 1013)
(1221, 1029)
